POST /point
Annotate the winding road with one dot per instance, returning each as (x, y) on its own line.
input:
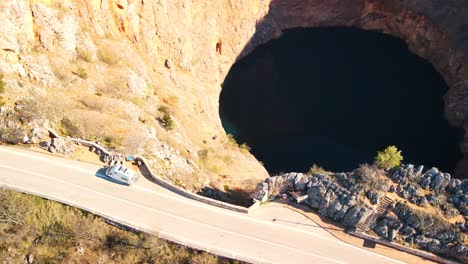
(148, 207)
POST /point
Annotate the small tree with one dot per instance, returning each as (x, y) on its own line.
(388, 158)
(166, 120)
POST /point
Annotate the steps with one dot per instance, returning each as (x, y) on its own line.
(381, 208)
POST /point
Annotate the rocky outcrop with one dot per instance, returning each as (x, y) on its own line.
(324, 194)
(352, 200)
(59, 145)
(449, 195)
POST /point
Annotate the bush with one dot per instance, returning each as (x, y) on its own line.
(67, 128)
(82, 73)
(231, 140)
(244, 147)
(389, 158)
(111, 142)
(168, 124)
(166, 120)
(315, 169)
(2, 84)
(371, 178)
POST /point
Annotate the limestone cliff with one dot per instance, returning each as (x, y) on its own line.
(111, 70)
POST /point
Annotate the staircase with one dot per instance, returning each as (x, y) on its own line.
(364, 226)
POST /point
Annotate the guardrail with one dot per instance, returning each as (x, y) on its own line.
(194, 196)
(165, 184)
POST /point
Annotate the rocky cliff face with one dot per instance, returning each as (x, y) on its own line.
(102, 69)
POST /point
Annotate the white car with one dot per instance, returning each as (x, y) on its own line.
(122, 174)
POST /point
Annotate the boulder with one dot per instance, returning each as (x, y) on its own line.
(373, 196)
(392, 233)
(439, 181)
(341, 213)
(261, 192)
(419, 170)
(407, 231)
(300, 182)
(278, 186)
(59, 145)
(381, 230)
(334, 207)
(289, 180)
(356, 215)
(425, 182)
(38, 134)
(315, 195)
(453, 186)
(29, 258)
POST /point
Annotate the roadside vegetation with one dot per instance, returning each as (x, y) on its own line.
(42, 231)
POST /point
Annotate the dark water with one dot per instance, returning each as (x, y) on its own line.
(334, 96)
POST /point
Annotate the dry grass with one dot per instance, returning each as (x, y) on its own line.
(56, 233)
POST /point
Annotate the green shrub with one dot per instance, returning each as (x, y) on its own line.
(166, 120)
(388, 158)
(2, 84)
(82, 73)
(168, 124)
(245, 147)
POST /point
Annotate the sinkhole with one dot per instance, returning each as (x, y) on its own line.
(333, 97)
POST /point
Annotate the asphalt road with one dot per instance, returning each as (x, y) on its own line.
(148, 207)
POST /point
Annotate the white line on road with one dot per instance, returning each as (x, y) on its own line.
(175, 216)
(180, 199)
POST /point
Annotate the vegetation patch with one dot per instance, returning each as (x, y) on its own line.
(81, 73)
(2, 84)
(55, 233)
(388, 158)
(315, 169)
(166, 120)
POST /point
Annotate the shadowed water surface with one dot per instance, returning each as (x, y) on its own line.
(334, 96)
